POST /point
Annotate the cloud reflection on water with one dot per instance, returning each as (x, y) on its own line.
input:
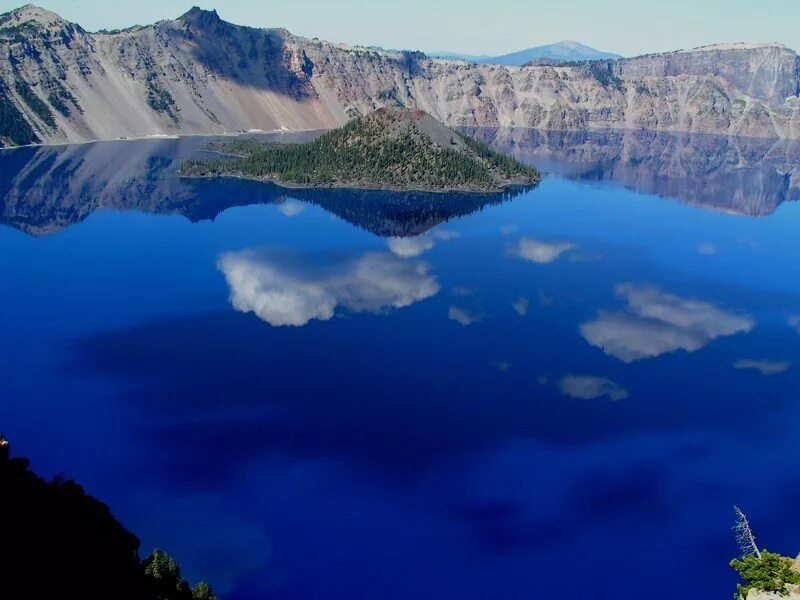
(656, 322)
(291, 208)
(414, 246)
(286, 288)
(540, 252)
(463, 316)
(765, 367)
(588, 387)
(410, 247)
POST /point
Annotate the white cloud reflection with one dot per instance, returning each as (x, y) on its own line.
(284, 288)
(588, 387)
(655, 323)
(445, 235)
(503, 366)
(540, 252)
(765, 367)
(462, 316)
(412, 247)
(521, 305)
(291, 208)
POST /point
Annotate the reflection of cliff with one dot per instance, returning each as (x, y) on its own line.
(741, 175)
(47, 189)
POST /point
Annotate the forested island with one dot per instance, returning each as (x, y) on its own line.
(389, 149)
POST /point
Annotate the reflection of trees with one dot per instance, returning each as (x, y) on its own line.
(399, 214)
(43, 190)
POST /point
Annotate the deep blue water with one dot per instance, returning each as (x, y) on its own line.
(560, 394)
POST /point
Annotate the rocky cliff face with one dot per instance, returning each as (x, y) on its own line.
(767, 72)
(199, 74)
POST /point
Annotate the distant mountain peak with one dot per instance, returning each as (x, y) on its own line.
(197, 12)
(200, 16)
(31, 13)
(565, 50)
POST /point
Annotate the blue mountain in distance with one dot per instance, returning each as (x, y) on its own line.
(562, 51)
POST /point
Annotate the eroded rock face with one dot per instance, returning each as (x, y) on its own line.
(767, 72)
(199, 74)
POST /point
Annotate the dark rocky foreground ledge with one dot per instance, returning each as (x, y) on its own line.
(59, 542)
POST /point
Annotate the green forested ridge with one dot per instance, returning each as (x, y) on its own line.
(158, 98)
(392, 148)
(14, 129)
(56, 100)
(58, 96)
(36, 104)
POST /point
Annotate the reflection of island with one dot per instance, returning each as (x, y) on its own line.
(44, 190)
(740, 175)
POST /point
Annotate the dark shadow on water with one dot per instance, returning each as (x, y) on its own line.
(405, 402)
(636, 492)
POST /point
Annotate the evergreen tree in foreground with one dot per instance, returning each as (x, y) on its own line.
(56, 541)
(761, 570)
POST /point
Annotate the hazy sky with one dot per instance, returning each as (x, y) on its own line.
(486, 27)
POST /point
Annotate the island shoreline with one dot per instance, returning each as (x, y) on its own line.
(367, 187)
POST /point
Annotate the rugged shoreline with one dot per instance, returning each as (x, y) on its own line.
(366, 187)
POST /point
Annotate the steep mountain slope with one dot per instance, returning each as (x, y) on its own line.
(195, 74)
(199, 74)
(566, 50)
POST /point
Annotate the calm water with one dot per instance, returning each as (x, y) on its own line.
(356, 395)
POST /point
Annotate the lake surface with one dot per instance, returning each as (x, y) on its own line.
(556, 394)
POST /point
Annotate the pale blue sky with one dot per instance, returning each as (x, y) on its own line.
(487, 27)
